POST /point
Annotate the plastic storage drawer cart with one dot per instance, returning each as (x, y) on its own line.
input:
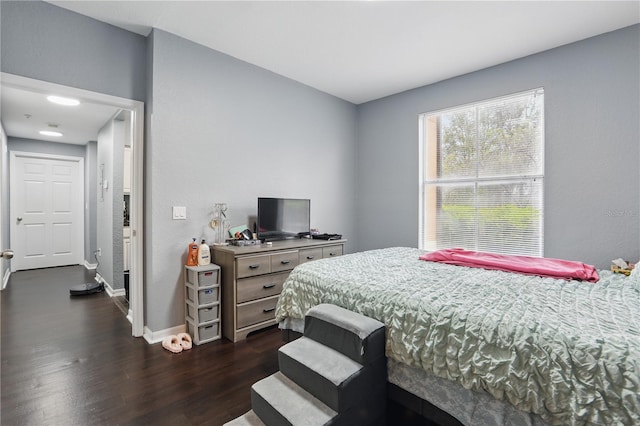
(202, 303)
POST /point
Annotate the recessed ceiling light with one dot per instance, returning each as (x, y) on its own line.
(63, 101)
(50, 133)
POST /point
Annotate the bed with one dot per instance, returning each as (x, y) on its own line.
(489, 347)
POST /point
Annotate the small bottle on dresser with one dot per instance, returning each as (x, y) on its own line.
(204, 254)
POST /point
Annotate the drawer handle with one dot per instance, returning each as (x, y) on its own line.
(311, 257)
(332, 254)
(268, 286)
(254, 266)
(267, 310)
(285, 262)
(207, 274)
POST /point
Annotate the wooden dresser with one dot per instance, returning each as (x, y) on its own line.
(252, 278)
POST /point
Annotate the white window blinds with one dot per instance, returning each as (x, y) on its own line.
(482, 176)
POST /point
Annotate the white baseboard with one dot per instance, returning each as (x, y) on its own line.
(118, 292)
(90, 266)
(153, 337)
(114, 292)
(5, 279)
(110, 290)
(130, 316)
(107, 286)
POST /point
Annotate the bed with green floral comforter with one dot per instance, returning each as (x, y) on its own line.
(568, 351)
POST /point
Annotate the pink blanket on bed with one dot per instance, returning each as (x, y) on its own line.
(544, 267)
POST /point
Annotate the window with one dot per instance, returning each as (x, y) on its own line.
(482, 176)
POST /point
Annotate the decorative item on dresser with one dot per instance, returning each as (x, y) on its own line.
(202, 302)
(252, 278)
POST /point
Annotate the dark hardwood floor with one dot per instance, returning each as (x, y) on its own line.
(72, 361)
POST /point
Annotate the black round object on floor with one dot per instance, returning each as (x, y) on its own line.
(86, 288)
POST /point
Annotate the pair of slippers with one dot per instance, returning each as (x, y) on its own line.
(177, 343)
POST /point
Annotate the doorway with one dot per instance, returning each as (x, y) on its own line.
(135, 207)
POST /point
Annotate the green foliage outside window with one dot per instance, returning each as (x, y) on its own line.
(521, 217)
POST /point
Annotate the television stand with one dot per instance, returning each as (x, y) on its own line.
(252, 278)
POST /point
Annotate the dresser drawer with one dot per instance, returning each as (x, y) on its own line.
(284, 261)
(258, 311)
(307, 255)
(253, 265)
(332, 251)
(258, 287)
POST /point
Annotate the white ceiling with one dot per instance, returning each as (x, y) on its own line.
(25, 112)
(364, 50)
(355, 50)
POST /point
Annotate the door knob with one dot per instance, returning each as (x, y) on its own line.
(19, 219)
(6, 254)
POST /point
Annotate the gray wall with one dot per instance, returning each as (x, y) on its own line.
(110, 151)
(222, 130)
(117, 203)
(46, 147)
(45, 42)
(90, 191)
(592, 92)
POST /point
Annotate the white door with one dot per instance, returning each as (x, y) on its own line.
(46, 199)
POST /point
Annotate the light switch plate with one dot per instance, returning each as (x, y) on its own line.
(179, 212)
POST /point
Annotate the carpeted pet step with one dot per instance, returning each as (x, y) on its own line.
(248, 419)
(333, 378)
(278, 401)
(359, 337)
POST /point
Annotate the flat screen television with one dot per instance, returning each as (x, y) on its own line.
(283, 218)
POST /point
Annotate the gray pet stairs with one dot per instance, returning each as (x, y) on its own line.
(336, 374)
